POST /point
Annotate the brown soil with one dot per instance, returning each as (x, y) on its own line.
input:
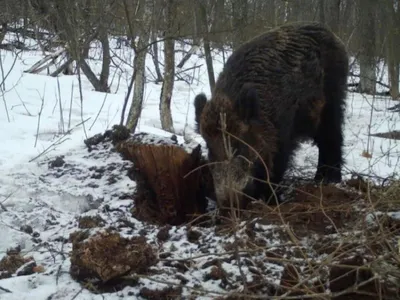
(87, 222)
(13, 261)
(9, 264)
(166, 293)
(108, 257)
(320, 209)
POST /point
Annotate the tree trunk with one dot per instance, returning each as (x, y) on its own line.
(85, 51)
(168, 85)
(207, 47)
(209, 63)
(294, 14)
(274, 13)
(392, 57)
(139, 64)
(91, 76)
(218, 23)
(322, 11)
(367, 15)
(393, 70)
(155, 57)
(169, 71)
(239, 22)
(192, 50)
(332, 15)
(68, 68)
(3, 31)
(105, 69)
(346, 20)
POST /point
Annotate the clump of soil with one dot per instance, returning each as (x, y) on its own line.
(165, 293)
(117, 134)
(163, 233)
(15, 263)
(88, 222)
(10, 264)
(193, 235)
(107, 256)
(171, 184)
(58, 162)
(78, 236)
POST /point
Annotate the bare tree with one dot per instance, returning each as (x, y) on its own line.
(157, 14)
(138, 17)
(367, 40)
(206, 43)
(169, 68)
(332, 14)
(155, 57)
(77, 25)
(3, 31)
(105, 70)
(391, 17)
(239, 21)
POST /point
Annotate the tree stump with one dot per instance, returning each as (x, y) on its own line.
(169, 188)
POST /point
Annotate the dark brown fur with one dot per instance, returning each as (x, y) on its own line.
(276, 90)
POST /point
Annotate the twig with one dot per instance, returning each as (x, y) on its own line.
(3, 81)
(23, 103)
(70, 105)
(39, 114)
(127, 97)
(81, 98)
(5, 290)
(5, 199)
(77, 294)
(98, 113)
(60, 106)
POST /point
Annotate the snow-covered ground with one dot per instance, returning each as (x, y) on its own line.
(31, 135)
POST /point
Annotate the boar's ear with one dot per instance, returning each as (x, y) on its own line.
(199, 103)
(247, 104)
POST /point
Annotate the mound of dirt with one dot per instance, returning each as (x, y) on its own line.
(15, 264)
(108, 257)
(117, 134)
(87, 222)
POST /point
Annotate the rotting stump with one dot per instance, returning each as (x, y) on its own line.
(171, 184)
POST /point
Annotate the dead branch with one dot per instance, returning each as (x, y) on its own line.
(52, 56)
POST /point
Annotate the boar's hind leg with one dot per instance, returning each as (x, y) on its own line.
(329, 138)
